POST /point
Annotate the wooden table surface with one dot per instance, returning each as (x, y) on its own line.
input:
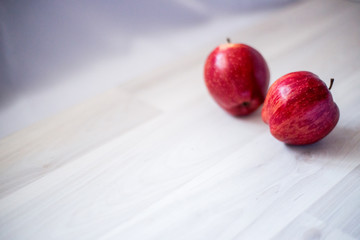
(156, 158)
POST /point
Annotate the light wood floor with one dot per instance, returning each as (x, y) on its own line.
(156, 158)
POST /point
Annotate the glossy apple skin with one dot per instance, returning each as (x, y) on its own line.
(300, 109)
(237, 77)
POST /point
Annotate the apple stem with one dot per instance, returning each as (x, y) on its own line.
(331, 83)
(228, 40)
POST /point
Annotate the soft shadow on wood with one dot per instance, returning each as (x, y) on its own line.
(253, 118)
(341, 143)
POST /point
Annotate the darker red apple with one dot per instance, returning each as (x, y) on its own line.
(237, 77)
(299, 109)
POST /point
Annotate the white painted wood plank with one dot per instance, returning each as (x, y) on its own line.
(307, 227)
(336, 215)
(297, 24)
(30, 154)
(158, 159)
(121, 179)
(245, 196)
(340, 207)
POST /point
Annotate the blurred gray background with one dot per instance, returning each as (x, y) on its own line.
(54, 54)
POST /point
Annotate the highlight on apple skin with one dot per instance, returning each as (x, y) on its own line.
(299, 109)
(237, 77)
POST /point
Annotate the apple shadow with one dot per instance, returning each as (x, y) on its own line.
(254, 118)
(342, 143)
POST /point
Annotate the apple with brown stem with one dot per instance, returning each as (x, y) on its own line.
(299, 109)
(237, 77)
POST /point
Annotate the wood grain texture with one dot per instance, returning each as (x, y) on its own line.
(33, 152)
(156, 158)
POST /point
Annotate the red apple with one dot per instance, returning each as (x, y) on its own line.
(237, 77)
(299, 109)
